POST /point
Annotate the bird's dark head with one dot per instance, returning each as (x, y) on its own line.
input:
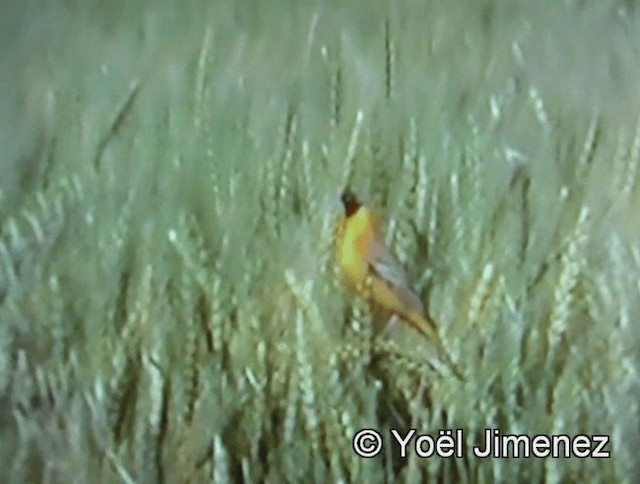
(350, 202)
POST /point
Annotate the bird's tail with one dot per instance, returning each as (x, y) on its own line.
(427, 326)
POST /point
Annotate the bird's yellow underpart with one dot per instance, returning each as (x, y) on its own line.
(353, 237)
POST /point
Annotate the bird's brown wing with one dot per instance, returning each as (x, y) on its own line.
(385, 266)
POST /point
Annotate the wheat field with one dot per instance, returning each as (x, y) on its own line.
(169, 188)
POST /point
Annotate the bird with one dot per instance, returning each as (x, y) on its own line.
(368, 268)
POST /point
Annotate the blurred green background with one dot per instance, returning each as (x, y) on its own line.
(169, 186)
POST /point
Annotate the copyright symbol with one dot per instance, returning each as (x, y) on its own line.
(367, 443)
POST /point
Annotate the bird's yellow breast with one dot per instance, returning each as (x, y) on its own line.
(355, 234)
